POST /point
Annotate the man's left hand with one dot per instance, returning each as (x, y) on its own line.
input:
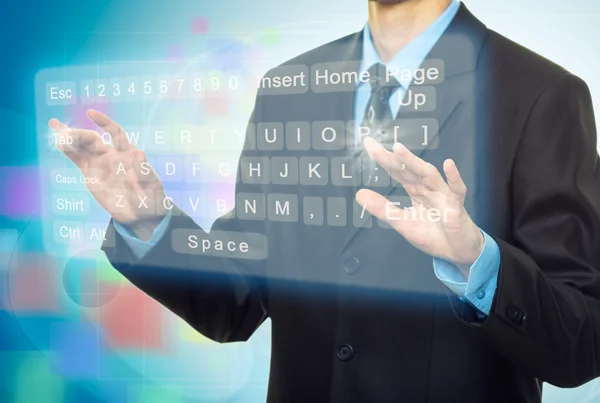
(437, 222)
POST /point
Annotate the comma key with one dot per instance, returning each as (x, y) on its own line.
(312, 209)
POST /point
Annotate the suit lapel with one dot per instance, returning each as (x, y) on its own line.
(459, 48)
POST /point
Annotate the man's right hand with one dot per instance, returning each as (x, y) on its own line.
(128, 189)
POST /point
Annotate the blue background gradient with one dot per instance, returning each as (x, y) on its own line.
(56, 354)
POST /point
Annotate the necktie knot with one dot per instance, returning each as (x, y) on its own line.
(382, 81)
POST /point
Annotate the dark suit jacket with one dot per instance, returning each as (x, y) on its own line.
(357, 314)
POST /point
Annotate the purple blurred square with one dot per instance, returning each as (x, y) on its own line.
(20, 190)
(175, 53)
(228, 54)
(76, 349)
(200, 25)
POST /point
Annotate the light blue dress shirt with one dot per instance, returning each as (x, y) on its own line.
(481, 285)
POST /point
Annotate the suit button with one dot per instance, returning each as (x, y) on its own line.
(345, 352)
(351, 265)
(515, 315)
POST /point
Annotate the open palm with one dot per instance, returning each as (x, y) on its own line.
(117, 173)
(437, 222)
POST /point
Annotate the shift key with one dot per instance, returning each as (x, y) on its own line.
(71, 203)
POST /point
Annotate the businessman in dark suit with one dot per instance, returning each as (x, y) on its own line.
(495, 292)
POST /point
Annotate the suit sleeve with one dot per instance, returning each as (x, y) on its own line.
(545, 315)
(222, 298)
(137, 246)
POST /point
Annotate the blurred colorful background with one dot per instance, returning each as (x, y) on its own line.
(71, 328)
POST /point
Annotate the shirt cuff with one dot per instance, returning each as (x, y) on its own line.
(480, 287)
(141, 248)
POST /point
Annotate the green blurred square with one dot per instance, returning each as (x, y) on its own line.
(105, 272)
(154, 394)
(270, 37)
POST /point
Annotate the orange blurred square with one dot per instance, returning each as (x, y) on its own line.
(34, 285)
(216, 104)
(131, 320)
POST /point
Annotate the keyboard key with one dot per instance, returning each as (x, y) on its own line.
(135, 136)
(313, 171)
(297, 136)
(283, 207)
(328, 135)
(116, 93)
(345, 171)
(355, 134)
(270, 136)
(158, 139)
(378, 177)
(226, 244)
(68, 231)
(417, 134)
(251, 206)
(255, 170)
(404, 201)
(218, 205)
(361, 217)
(336, 211)
(132, 89)
(102, 88)
(249, 137)
(312, 210)
(172, 198)
(87, 92)
(169, 168)
(144, 205)
(284, 170)
(71, 203)
(99, 232)
(195, 204)
(193, 169)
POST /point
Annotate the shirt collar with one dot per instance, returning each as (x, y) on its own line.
(414, 53)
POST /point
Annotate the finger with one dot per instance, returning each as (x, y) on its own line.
(65, 144)
(428, 174)
(88, 141)
(458, 189)
(118, 136)
(57, 125)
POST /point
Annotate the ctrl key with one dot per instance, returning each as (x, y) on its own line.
(89, 233)
(68, 231)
